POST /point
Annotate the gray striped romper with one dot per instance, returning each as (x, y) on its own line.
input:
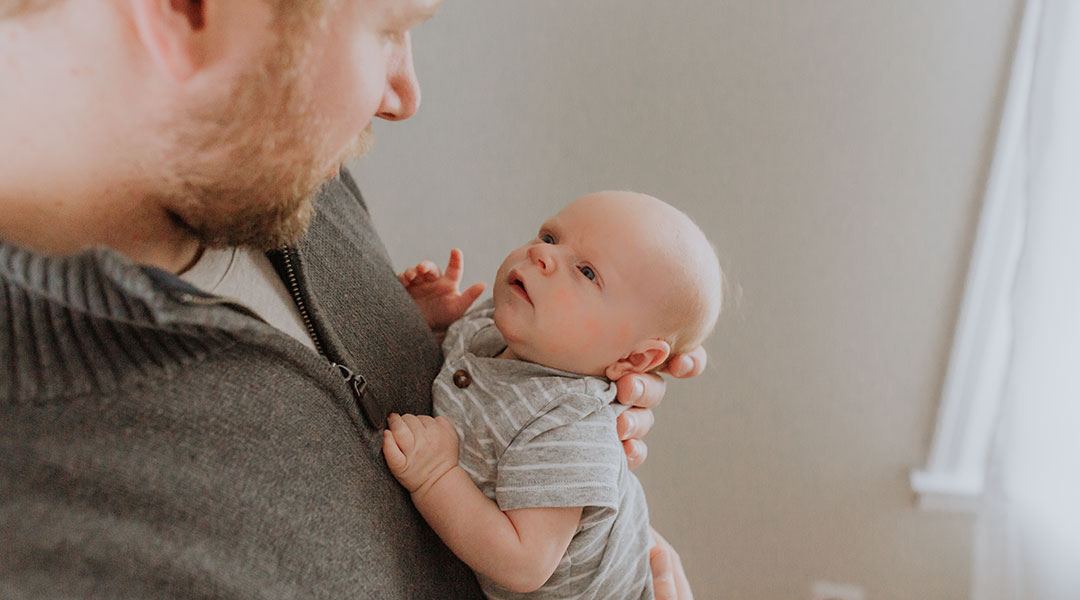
(532, 436)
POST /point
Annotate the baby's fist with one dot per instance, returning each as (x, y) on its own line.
(419, 449)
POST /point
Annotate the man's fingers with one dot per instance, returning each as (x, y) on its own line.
(669, 578)
(663, 580)
(644, 390)
(455, 267)
(636, 452)
(682, 583)
(634, 423)
(687, 365)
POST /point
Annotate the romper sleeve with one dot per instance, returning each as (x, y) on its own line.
(569, 456)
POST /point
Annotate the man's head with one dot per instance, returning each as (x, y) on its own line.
(236, 110)
(615, 283)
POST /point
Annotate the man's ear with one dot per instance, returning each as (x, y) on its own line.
(173, 33)
(646, 356)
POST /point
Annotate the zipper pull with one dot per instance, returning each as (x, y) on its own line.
(359, 386)
(355, 380)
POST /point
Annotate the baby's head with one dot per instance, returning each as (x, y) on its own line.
(615, 283)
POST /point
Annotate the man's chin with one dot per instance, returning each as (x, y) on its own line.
(359, 147)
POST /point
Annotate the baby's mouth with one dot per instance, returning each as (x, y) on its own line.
(518, 285)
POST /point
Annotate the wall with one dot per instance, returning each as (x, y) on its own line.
(834, 151)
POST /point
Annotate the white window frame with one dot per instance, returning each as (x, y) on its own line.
(954, 476)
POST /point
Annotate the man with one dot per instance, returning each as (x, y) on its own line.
(158, 440)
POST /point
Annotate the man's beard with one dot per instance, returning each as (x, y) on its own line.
(244, 169)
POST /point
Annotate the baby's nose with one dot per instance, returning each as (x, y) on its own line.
(542, 258)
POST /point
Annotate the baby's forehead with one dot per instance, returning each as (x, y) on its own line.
(634, 224)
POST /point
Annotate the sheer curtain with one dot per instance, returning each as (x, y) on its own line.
(1028, 536)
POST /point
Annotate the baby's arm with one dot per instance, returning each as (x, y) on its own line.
(517, 549)
(436, 294)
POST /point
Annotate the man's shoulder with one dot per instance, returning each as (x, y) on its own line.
(349, 183)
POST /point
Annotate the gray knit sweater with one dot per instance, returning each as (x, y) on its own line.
(156, 442)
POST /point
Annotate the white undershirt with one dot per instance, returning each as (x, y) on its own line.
(247, 277)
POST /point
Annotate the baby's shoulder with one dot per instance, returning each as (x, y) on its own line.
(575, 407)
(461, 332)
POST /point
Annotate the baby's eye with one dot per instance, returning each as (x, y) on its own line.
(547, 238)
(588, 273)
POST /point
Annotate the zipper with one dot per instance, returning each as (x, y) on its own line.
(356, 382)
(294, 289)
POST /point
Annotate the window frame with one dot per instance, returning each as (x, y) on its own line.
(954, 476)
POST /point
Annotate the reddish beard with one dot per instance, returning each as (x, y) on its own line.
(244, 168)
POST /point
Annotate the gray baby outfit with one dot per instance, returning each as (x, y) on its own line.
(533, 436)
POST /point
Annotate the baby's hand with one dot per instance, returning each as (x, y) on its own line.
(420, 449)
(437, 294)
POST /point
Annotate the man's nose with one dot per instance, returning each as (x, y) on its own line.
(401, 99)
(542, 256)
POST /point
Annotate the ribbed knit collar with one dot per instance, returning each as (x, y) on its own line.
(92, 322)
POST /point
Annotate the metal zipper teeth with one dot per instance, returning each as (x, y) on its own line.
(294, 289)
(357, 383)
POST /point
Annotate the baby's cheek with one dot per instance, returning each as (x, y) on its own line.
(580, 336)
(591, 328)
(566, 335)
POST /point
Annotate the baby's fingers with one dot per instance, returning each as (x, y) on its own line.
(473, 292)
(456, 266)
(469, 296)
(427, 271)
(394, 458)
(403, 435)
(444, 423)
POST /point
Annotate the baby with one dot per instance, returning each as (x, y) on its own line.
(537, 496)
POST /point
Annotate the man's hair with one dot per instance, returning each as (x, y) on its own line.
(288, 8)
(11, 8)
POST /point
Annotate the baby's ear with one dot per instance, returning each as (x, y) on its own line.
(646, 356)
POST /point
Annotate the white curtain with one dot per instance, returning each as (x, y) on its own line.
(1027, 545)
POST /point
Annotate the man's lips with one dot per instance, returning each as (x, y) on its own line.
(517, 285)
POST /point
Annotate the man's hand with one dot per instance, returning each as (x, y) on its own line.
(643, 392)
(669, 579)
(437, 294)
(419, 449)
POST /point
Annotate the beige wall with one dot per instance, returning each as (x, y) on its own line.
(835, 151)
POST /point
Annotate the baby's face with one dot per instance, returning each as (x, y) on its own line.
(580, 294)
